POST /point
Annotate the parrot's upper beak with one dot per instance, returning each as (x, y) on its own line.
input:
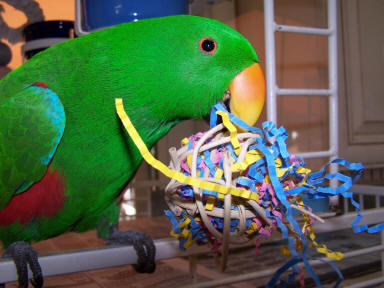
(246, 94)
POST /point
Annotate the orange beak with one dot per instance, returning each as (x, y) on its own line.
(248, 94)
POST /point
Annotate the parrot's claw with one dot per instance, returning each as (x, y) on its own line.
(23, 254)
(143, 244)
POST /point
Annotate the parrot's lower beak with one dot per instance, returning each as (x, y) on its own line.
(246, 94)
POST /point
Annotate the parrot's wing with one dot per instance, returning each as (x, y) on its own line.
(32, 124)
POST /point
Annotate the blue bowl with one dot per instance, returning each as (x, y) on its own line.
(97, 14)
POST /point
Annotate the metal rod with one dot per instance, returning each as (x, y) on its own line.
(368, 190)
(306, 92)
(98, 258)
(371, 216)
(333, 98)
(302, 30)
(315, 154)
(332, 74)
(270, 60)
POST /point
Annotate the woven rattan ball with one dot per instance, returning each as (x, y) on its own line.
(223, 219)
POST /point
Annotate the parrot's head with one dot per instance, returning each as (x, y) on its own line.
(183, 65)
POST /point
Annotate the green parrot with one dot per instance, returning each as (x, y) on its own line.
(64, 155)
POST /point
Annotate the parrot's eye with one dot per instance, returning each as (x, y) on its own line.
(207, 45)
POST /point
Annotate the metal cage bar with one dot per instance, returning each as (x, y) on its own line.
(96, 258)
(305, 92)
(272, 88)
(302, 30)
(270, 60)
(333, 81)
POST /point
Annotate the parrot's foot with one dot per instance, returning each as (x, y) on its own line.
(23, 254)
(143, 244)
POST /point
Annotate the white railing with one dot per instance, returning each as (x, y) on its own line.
(273, 91)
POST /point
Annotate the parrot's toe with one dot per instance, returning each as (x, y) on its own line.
(23, 254)
(143, 244)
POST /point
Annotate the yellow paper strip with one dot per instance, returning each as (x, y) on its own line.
(185, 141)
(148, 157)
(232, 131)
(219, 173)
(308, 227)
(250, 158)
(210, 203)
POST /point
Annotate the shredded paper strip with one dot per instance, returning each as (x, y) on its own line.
(229, 187)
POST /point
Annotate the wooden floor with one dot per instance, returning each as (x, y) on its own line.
(175, 272)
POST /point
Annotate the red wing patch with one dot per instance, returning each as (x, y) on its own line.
(43, 199)
(41, 84)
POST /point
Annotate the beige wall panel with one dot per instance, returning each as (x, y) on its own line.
(361, 78)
